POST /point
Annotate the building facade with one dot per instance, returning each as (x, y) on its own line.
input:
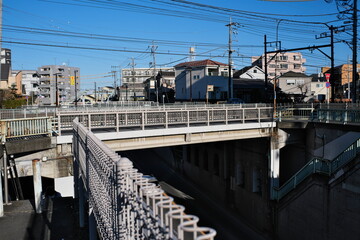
(133, 81)
(296, 85)
(5, 59)
(281, 63)
(57, 84)
(193, 78)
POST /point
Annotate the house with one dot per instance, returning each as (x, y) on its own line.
(319, 89)
(296, 85)
(193, 78)
(250, 72)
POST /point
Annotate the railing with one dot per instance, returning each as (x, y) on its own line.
(317, 165)
(11, 128)
(125, 204)
(164, 118)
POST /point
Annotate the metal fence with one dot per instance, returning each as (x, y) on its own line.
(164, 118)
(318, 165)
(124, 203)
(11, 128)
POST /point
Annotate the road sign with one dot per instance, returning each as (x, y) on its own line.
(327, 76)
(328, 84)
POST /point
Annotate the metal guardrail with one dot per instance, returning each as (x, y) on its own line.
(163, 117)
(125, 204)
(11, 128)
(317, 165)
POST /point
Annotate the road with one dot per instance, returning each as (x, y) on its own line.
(227, 224)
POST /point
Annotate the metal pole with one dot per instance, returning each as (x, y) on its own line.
(354, 49)
(6, 185)
(75, 88)
(37, 184)
(332, 77)
(230, 58)
(56, 90)
(266, 69)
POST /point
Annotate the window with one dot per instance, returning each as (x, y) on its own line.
(224, 74)
(296, 57)
(300, 82)
(283, 58)
(319, 85)
(255, 71)
(297, 66)
(290, 82)
(283, 66)
(272, 66)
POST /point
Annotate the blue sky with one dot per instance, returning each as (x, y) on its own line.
(150, 20)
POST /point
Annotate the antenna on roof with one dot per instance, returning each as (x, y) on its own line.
(191, 54)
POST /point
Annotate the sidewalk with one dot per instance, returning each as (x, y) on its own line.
(20, 222)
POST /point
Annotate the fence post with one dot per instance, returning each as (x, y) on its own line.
(37, 184)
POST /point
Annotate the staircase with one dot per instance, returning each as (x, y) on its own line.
(317, 165)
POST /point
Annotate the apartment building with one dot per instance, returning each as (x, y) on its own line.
(281, 63)
(57, 84)
(133, 80)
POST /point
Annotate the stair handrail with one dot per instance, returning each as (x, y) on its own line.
(317, 165)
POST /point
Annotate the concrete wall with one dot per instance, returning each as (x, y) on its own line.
(323, 209)
(238, 181)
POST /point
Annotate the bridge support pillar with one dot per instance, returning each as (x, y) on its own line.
(92, 226)
(36, 165)
(274, 163)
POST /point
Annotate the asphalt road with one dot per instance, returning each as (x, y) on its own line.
(228, 225)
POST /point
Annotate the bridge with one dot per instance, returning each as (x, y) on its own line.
(117, 129)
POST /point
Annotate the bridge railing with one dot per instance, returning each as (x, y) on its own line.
(167, 118)
(317, 165)
(11, 128)
(125, 204)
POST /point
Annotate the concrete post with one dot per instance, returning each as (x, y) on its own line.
(6, 185)
(274, 163)
(37, 184)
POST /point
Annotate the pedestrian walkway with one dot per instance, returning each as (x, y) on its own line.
(58, 221)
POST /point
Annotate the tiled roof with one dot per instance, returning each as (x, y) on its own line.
(200, 63)
(293, 74)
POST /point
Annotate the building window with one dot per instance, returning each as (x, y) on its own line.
(224, 74)
(283, 58)
(296, 57)
(255, 71)
(283, 66)
(290, 82)
(300, 82)
(272, 66)
(297, 66)
(319, 85)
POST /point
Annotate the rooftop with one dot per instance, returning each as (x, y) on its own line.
(200, 63)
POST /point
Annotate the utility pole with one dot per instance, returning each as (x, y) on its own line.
(332, 79)
(133, 75)
(354, 49)
(153, 49)
(230, 87)
(266, 68)
(75, 78)
(95, 92)
(56, 90)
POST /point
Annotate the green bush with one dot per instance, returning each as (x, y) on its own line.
(13, 103)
